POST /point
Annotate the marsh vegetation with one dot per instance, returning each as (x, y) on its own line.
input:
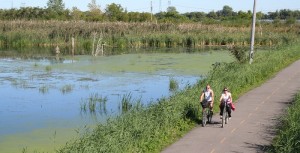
(121, 37)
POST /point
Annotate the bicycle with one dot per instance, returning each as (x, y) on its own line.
(225, 116)
(207, 114)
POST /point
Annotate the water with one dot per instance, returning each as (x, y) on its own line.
(42, 99)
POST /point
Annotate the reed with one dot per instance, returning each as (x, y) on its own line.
(27, 34)
(126, 103)
(48, 68)
(94, 103)
(173, 85)
(44, 89)
(66, 88)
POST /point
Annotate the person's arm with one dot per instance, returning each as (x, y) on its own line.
(221, 97)
(212, 96)
(201, 97)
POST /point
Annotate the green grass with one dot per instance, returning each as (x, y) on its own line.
(151, 128)
(44, 89)
(173, 85)
(126, 104)
(66, 88)
(94, 103)
(288, 136)
(48, 68)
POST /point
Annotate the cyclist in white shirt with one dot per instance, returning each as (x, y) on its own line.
(207, 98)
(225, 97)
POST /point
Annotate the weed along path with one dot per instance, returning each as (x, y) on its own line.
(252, 126)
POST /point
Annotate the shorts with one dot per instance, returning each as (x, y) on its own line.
(205, 103)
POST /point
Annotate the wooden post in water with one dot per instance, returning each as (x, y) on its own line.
(57, 52)
(73, 46)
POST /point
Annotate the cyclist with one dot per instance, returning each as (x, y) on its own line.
(225, 97)
(207, 98)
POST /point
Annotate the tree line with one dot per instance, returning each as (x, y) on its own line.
(56, 10)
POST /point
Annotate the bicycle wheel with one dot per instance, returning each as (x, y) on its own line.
(209, 116)
(223, 116)
(204, 118)
(226, 116)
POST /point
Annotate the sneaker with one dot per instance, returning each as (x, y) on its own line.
(229, 118)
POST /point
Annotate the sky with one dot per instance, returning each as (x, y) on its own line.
(182, 6)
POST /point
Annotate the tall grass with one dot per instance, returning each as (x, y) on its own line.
(26, 34)
(44, 89)
(150, 129)
(66, 88)
(173, 85)
(94, 103)
(126, 103)
(48, 68)
(288, 137)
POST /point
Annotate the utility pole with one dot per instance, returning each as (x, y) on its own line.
(253, 32)
(159, 5)
(151, 11)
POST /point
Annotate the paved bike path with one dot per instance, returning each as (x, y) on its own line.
(253, 123)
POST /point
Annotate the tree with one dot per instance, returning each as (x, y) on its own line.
(172, 10)
(56, 5)
(94, 7)
(226, 12)
(95, 13)
(114, 12)
(172, 15)
(196, 16)
(273, 15)
(212, 15)
(244, 15)
(285, 14)
(76, 13)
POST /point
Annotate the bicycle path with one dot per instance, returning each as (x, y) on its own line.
(253, 122)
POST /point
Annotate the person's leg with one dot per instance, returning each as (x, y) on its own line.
(201, 103)
(211, 108)
(228, 110)
(221, 108)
